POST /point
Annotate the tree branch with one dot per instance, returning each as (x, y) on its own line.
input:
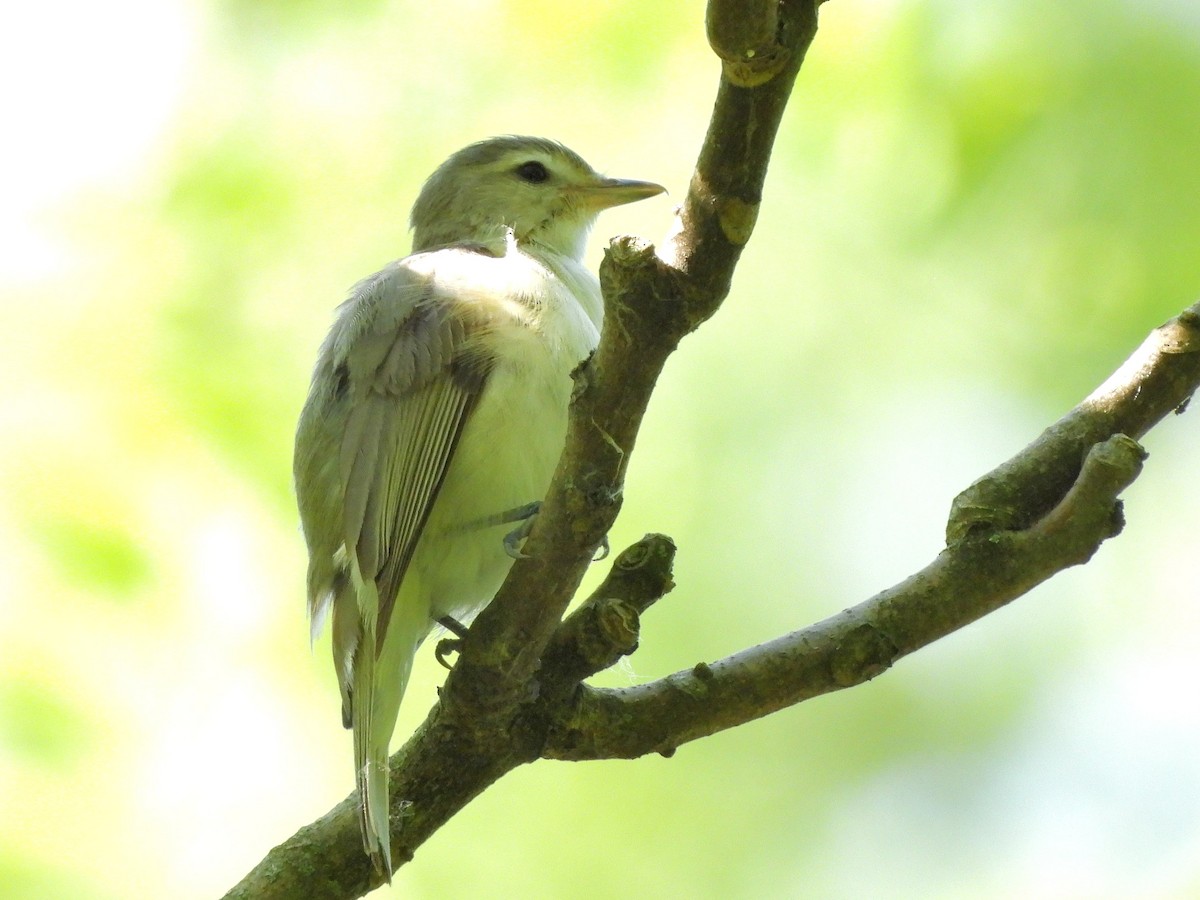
(982, 568)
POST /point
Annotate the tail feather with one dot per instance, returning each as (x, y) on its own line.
(377, 688)
(371, 761)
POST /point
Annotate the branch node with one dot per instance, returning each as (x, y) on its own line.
(628, 251)
(582, 376)
(1190, 319)
(619, 623)
(691, 683)
(746, 37)
(607, 625)
(1158, 377)
(1090, 512)
(639, 287)
(736, 218)
(863, 652)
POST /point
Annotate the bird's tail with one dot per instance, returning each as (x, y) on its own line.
(380, 677)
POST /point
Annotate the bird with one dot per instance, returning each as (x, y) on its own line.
(435, 418)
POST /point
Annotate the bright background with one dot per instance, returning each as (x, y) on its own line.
(975, 212)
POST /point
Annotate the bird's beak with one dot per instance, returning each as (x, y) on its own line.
(604, 193)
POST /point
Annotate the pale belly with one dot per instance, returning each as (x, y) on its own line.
(504, 460)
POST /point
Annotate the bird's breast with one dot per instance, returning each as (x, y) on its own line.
(509, 446)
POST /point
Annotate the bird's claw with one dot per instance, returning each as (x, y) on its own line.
(526, 515)
(452, 644)
(447, 646)
(516, 537)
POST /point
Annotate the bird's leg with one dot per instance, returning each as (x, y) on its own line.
(449, 645)
(512, 541)
(526, 515)
(523, 514)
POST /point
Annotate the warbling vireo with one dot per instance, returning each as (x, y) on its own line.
(438, 407)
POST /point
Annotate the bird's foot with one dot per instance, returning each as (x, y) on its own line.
(450, 645)
(525, 515)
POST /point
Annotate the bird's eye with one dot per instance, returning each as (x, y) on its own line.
(533, 172)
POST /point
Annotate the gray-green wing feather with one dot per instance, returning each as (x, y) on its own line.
(395, 384)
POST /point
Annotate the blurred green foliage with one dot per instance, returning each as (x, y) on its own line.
(975, 212)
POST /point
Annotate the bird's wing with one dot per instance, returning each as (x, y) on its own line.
(414, 379)
(404, 368)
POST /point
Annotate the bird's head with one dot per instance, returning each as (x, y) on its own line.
(545, 193)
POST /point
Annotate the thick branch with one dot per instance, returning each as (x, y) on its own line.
(963, 584)
(978, 573)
